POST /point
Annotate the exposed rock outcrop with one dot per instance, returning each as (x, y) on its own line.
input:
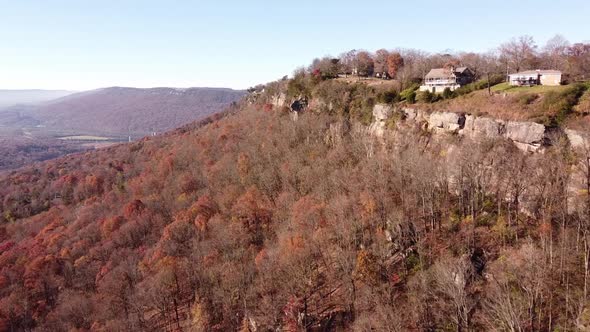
(528, 136)
(279, 100)
(478, 127)
(319, 104)
(577, 187)
(381, 112)
(411, 114)
(446, 121)
(336, 131)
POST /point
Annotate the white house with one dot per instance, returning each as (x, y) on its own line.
(438, 79)
(536, 77)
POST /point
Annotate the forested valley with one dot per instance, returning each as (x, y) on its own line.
(256, 222)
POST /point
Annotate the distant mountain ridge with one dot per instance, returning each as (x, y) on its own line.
(124, 111)
(30, 96)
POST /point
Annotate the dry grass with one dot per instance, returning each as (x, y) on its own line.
(505, 87)
(480, 103)
(370, 81)
(580, 119)
(583, 107)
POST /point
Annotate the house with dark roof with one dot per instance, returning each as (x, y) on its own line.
(438, 79)
(536, 77)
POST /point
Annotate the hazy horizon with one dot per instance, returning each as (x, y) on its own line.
(82, 46)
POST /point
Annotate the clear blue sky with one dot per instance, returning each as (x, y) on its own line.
(85, 44)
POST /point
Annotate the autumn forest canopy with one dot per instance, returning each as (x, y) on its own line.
(286, 213)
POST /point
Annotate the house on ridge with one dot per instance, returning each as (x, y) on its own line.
(438, 79)
(536, 77)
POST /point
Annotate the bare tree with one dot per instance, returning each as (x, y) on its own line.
(518, 287)
(520, 52)
(452, 278)
(347, 61)
(481, 63)
(555, 51)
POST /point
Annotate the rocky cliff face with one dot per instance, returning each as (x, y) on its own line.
(445, 122)
(381, 113)
(279, 100)
(527, 136)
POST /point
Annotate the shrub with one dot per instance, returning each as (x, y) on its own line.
(483, 83)
(365, 112)
(526, 98)
(271, 89)
(299, 86)
(454, 222)
(393, 119)
(409, 91)
(479, 85)
(583, 106)
(362, 101)
(464, 90)
(388, 97)
(501, 230)
(448, 94)
(412, 261)
(484, 220)
(426, 97)
(411, 97)
(558, 104)
(333, 93)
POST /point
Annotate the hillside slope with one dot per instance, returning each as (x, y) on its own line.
(19, 151)
(126, 111)
(258, 222)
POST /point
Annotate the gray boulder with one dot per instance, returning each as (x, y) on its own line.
(527, 136)
(446, 121)
(382, 111)
(483, 127)
(411, 114)
(525, 132)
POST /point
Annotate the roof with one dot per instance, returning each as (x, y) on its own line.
(440, 73)
(534, 72)
(446, 72)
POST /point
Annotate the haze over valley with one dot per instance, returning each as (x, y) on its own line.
(38, 125)
(15, 97)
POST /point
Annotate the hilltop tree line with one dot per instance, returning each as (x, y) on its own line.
(409, 65)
